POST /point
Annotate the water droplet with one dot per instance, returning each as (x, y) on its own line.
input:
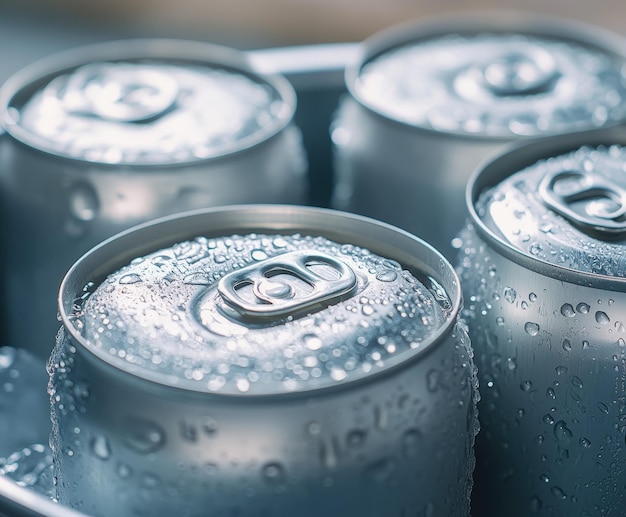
(526, 385)
(510, 294)
(243, 385)
(567, 346)
(382, 471)
(532, 329)
(561, 431)
(312, 341)
(584, 443)
(83, 202)
(273, 473)
(583, 308)
(386, 275)
(338, 374)
(535, 504)
(532, 297)
(567, 310)
(500, 321)
(131, 278)
(603, 408)
(100, 447)
(123, 470)
(356, 438)
(558, 492)
(602, 318)
(143, 436)
(258, 255)
(576, 382)
(411, 442)
(511, 363)
(432, 380)
(550, 393)
(314, 428)
(7, 357)
(548, 419)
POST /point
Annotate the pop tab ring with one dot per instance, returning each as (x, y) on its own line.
(289, 283)
(587, 200)
(525, 72)
(119, 92)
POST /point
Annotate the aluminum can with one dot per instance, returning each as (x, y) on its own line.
(429, 101)
(105, 137)
(542, 267)
(263, 360)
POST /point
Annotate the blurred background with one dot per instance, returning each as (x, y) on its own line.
(31, 29)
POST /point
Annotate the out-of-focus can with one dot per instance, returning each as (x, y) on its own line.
(104, 137)
(429, 101)
(263, 360)
(543, 272)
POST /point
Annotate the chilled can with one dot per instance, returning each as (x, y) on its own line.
(542, 266)
(263, 360)
(105, 137)
(429, 101)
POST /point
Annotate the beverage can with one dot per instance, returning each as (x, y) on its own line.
(542, 266)
(263, 360)
(107, 136)
(429, 101)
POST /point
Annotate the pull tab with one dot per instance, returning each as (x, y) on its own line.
(120, 92)
(526, 72)
(286, 284)
(587, 200)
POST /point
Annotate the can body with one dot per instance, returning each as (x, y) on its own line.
(65, 204)
(399, 162)
(550, 352)
(399, 441)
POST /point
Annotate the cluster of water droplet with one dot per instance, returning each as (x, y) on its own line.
(516, 212)
(551, 358)
(405, 440)
(209, 112)
(162, 313)
(461, 84)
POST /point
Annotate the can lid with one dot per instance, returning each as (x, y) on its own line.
(493, 83)
(566, 209)
(141, 108)
(261, 313)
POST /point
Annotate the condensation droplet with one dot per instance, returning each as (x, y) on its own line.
(567, 310)
(100, 447)
(561, 431)
(273, 473)
(583, 308)
(131, 278)
(143, 436)
(510, 294)
(602, 318)
(386, 275)
(532, 329)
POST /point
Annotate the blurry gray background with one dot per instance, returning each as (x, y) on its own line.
(32, 29)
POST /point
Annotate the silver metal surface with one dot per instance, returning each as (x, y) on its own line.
(58, 207)
(397, 439)
(549, 345)
(413, 174)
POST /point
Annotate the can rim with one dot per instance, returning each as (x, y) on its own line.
(29, 79)
(381, 238)
(517, 156)
(468, 23)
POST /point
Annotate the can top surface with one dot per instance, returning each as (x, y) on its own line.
(263, 313)
(491, 79)
(559, 202)
(145, 102)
